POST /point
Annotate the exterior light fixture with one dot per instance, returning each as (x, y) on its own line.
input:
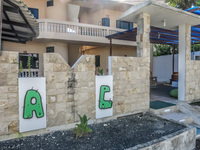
(164, 22)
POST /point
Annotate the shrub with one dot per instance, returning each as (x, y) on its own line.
(82, 129)
(174, 93)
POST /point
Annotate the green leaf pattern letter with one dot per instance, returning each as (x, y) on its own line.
(104, 104)
(29, 107)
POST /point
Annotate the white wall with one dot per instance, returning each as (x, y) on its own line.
(162, 67)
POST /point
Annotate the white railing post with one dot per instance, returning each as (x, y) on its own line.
(45, 26)
(65, 27)
(107, 32)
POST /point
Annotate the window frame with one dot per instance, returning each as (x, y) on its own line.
(50, 3)
(38, 56)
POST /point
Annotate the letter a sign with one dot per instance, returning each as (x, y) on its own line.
(104, 96)
(32, 104)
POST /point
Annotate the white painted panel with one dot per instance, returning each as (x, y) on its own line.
(37, 85)
(162, 67)
(101, 82)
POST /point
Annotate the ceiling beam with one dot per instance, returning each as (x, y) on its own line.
(23, 16)
(15, 23)
(192, 10)
(10, 9)
(164, 30)
(23, 42)
(8, 20)
(17, 32)
(13, 36)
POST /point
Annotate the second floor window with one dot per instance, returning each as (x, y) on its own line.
(49, 3)
(35, 13)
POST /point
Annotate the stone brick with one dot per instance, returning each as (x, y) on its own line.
(12, 79)
(3, 89)
(52, 99)
(3, 79)
(4, 58)
(13, 57)
(3, 128)
(13, 89)
(5, 67)
(13, 127)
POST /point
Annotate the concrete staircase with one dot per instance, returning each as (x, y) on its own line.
(182, 113)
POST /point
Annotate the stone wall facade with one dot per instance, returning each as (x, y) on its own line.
(9, 113)
(84, 97)
(192, 80)
(69, 91)
(131, 84)
(192, 73)
(59, 106)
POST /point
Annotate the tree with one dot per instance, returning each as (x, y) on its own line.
(160, 49)
(183, 4)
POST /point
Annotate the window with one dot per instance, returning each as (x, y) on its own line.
(23, 57)
(50, 49)
(49, 3)
(35, 13)
(97, 61)
(124, 25)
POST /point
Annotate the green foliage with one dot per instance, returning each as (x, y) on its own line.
(174, 93)
(29, 62)
(195, 47)
(160, 49)
(100, 71)
(20, 67)
(182, 4)
(198, 3)
(82, 129)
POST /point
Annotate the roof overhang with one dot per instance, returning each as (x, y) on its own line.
(160, 12)
(18, 23)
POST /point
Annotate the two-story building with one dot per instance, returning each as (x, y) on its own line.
(73, 28)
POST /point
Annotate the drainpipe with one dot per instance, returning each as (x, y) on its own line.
(193, 49)
(173, 59)
(110, 47)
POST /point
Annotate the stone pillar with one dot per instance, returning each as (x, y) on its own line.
(184, 55)
(143, 30)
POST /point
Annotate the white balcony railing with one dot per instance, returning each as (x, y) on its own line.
(46, 25)
(25, 74)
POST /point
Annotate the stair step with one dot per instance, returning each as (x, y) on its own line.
(166, 110)
(179, 117)
(197, 129)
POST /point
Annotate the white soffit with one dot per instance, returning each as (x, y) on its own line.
(160, 12)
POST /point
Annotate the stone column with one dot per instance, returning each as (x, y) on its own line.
(184, 55)
(143, 30)
(143, 51)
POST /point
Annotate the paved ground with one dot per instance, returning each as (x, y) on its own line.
(161, 92)
(119, 134)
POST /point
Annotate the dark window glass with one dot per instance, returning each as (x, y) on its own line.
(50, 50)
(97, 61)
(124, 25)
(49, 3)
(23, 57)
(35, 12)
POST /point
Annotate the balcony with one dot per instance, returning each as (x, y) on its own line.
(78, 32)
